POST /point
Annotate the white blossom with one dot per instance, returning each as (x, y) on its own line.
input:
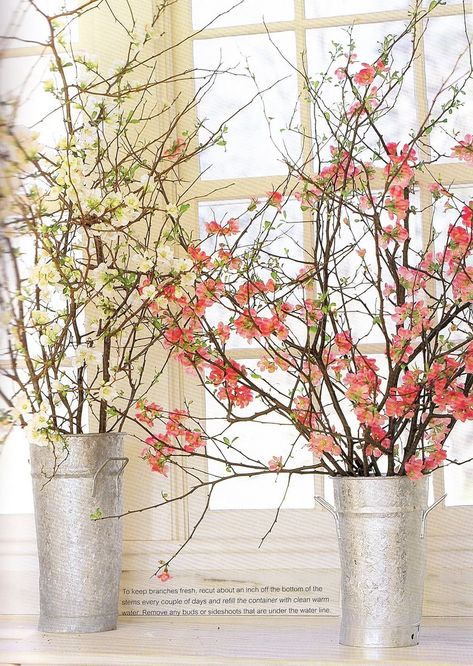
(21, 405)
(44, 274)
(107, 392)
(148, 292)
(182, 264)
(86, 355)
(58, 386)
(50, 335)
(39, 317)
(164, 258)
(132, 201)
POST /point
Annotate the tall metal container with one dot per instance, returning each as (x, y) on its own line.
(380, 524)
(79, 558)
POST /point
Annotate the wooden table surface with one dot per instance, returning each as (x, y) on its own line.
(227, 642)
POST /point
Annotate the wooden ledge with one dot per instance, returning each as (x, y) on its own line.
(210, 641)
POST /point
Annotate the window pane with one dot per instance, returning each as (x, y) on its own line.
(250, 149)
(447, 64)
(15, 482)
(459, 479)
(444, 216)
(317, 8)
(18, 18)
(21, 79)
(402, 116)
(204, 11)
(358, 274)
(260, 441)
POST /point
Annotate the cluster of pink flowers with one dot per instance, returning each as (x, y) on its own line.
(230, 227)
(414, 312)
(303, 412)
(300, 328)
(400, 167)
(250, 326)
(368, 104)
(416, 466)
(177, 437)
(366, 75)
(403, 399)
(226, 377)
(319, 443)
(464, 149)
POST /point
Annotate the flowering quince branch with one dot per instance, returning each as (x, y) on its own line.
(310, 315)
(89, 257)
(112, 269)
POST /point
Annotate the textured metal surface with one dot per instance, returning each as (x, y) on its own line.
(382, 559)
(79, 559)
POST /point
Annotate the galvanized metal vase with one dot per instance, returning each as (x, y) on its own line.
(380, 524)
(79, 558)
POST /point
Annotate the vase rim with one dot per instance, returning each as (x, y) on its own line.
(92, 434)
(376, 478)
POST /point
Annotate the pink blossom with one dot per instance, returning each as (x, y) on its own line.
(237, 395)
(401, 347)
(275, 464)
(462, 285)
(414, 467)
(467, 214)
(397, 234)
(164, 576)
(396, 205)
(468, 358)
(402, 400)
(275, 199)
(223, 331)
(176, 149)
(344, 342)
(366, 75)
(389, 290)
(411, 279)
(463, 150)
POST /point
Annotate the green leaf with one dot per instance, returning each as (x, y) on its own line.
(97, 515)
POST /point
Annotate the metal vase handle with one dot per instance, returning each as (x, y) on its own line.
(333, 511)
(426, 512)
(123, 460)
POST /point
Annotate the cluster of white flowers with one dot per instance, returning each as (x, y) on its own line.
(44, 274)
(50, 334)
(38, 427)
(39, 318)
(102, 279)
(86, 355)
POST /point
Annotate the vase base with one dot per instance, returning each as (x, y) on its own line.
(387, 637)
(77, 625)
